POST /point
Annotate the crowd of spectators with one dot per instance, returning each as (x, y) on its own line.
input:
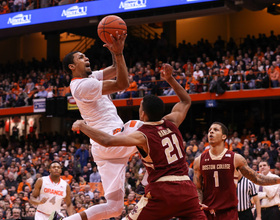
(24, 160)
(200, 67)
(23, 5)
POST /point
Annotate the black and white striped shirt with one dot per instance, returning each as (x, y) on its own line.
(245, 191)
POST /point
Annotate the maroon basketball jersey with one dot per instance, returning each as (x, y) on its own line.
(219, 190)
(166, 154)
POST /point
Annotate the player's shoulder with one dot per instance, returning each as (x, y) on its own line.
(134, 123)
(197, 161)
(63, 181)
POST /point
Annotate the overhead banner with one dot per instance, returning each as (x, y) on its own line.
(39, 105)
(71, 103)
(85, 9)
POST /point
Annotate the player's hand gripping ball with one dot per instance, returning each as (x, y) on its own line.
(109, 25)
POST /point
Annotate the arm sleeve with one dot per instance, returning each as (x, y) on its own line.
(253, 191)
(271, 191)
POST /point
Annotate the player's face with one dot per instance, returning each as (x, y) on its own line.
(55, 169)
(215, 134)
(81, 63)
(264, 168)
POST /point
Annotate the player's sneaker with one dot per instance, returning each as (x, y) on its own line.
(55, 216)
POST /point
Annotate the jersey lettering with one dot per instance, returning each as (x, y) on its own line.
(52, 191)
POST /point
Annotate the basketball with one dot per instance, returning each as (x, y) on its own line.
(109, 25)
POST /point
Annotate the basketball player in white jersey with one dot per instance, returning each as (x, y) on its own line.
(91, 92)
(48, 193)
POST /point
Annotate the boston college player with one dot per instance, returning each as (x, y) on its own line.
(214, 176)
(48, 193)
(170, 192)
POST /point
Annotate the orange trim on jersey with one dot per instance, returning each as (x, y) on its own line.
(117, 130)
(42, 212)
(132, 123)
(76, 78)
(53, 181)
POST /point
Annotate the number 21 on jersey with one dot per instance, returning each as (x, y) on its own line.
(168, 151)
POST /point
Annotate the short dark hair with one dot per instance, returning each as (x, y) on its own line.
(16, 208)
(264, 161)
(153, 106)
(55, 162)
(68, 59)
(224, 128)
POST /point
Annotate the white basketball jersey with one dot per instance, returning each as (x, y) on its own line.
(55, 192)
(96, 109)
(99, 112)
(100, 152)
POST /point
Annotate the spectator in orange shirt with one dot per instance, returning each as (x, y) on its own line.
(259, 53)
(209, 63)
(131, 91)
(191, 82)
(236, 142)
(274, 76)
(192, 147)
(15, 88)
(130, 199)
(79, 206)
(266, 141)
(22, 184)
(224, 69)
(82, 183)
(67, 177)
(188, 67)
(5, 8)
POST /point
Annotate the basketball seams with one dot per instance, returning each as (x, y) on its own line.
(109, 22)
(109, 25)
(112, 28)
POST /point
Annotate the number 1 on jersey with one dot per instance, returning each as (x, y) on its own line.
(216, 178)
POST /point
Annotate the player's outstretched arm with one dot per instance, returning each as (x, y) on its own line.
(68, 201)
(258, 207)
(36, 192)
(241, 164)
(197, 178)
(121, 82)
(107, 140)
(181, 109)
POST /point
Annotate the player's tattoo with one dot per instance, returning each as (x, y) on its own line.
(113, 59)
(200, 195)
(197, 179)
(255, 177)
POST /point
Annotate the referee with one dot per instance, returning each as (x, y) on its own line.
(245, 191)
